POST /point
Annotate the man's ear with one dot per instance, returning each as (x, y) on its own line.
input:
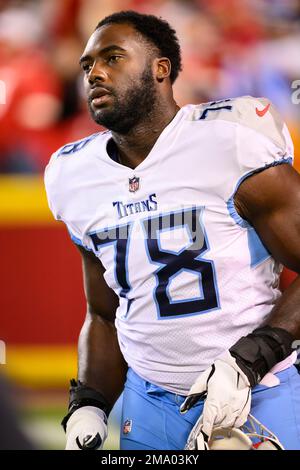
(162, 68)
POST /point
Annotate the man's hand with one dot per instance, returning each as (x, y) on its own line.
(86, 429)
(228, 396)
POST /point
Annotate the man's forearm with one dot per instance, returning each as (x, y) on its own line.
(101, 364)
(286, 313)
(272, 341)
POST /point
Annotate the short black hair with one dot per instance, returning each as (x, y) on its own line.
(154, 29)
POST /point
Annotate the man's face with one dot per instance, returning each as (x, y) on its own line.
(118, 77)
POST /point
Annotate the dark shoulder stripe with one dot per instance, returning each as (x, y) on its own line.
(76, 146)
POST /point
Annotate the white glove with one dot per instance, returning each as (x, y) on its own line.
(228, 397)
(86, 429)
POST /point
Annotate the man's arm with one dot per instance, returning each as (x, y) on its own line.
(270, 201)
(100, 362)
(101, 367)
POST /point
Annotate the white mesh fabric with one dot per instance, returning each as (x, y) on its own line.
(196, 164)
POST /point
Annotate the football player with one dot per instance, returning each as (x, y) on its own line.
(183, 217)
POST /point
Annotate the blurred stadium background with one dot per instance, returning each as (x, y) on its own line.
(230, 48)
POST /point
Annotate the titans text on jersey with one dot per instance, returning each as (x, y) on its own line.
(124, 209)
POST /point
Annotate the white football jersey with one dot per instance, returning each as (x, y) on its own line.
(192, 276)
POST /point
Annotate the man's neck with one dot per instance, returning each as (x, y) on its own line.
(134, 147)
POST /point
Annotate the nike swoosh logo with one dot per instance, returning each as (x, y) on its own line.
(262, 112)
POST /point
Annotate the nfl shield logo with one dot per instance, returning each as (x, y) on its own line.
(134, 184)
(127, 426)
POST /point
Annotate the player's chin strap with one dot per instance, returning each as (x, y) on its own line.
(259, 351)
(81, 395)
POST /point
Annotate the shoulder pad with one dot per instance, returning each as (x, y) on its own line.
(258, 114)
(75, 146)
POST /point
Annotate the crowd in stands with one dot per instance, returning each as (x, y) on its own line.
(230, 48)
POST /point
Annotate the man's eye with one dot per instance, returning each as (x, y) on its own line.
(86, 67)
(113, 59)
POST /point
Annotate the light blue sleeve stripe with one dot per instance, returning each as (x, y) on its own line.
(230, 203)
(258, 252)
(77, 241)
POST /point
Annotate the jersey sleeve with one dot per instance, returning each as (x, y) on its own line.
(49, 180)
(57, 195)
(262, 138)
(252, 137)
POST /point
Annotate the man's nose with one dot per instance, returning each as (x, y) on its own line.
(97, 73)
